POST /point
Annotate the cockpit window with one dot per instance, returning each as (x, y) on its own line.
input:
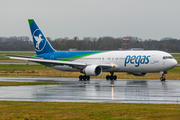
(168, 57)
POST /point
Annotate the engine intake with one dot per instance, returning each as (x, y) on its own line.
(92, 70)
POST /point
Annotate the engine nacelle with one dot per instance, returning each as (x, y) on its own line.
(139, 74)
(92, 70)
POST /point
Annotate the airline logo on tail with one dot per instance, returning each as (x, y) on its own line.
(40, 41)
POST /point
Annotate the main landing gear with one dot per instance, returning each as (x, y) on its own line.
(84, 78)
(111, 77)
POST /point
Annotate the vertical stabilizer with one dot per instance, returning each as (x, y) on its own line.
(41, 44)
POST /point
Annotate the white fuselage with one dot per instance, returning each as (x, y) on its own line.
(128, 61)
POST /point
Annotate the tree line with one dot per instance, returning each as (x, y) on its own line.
(23, 43)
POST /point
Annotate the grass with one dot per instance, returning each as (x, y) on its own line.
(177, 57)
(10, 83)
(23, 67)
(22, 53)
(41, 71)
(175, 70)
(64, 110)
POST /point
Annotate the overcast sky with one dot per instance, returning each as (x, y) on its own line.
(145, 19)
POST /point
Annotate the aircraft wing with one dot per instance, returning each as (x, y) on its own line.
(47, 62)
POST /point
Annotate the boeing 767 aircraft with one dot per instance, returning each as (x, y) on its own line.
(93, 63)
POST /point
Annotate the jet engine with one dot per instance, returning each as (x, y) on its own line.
(139, 74)
(92, 70)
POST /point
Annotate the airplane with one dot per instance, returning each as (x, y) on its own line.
(93, 63)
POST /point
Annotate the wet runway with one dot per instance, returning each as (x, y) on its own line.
(96, 90)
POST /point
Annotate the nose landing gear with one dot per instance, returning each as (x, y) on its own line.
(163, 75)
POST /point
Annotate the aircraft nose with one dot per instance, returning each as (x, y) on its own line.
(174, 63)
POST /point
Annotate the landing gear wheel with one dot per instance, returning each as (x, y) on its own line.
(88, 77)
(114, 77)
(163, 78)
(107, 77)
(111, 77)
(80, 77)
(84, 78)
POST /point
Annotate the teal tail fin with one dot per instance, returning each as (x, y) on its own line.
(41, 44)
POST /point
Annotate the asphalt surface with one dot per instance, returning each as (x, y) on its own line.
(96, 90)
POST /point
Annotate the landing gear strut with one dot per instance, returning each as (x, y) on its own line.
(111, 77)
(84, 77)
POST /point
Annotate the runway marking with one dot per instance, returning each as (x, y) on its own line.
(166, 82)
(173, 83)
